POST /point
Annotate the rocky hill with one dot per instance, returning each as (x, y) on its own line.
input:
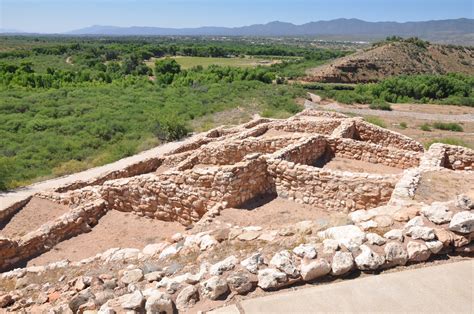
(395, 58)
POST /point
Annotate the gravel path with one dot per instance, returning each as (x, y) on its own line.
(11, 197)
(417, 115)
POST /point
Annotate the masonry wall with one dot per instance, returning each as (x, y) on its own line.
(306, 151)
(373, 153)
(333, 190)
(458, 158)
(373, 134)
(322, 126)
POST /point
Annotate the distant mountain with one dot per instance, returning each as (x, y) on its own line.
(10, 31)
(455, 30)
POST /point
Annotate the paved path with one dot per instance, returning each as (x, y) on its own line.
(446, 288)
(9, 198)
(469, 117)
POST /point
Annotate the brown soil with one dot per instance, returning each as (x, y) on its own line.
(162, 169)
(445, 185)
(273, 213)
(37, 212)
(432, 108)
(344, 164)
(115, 229)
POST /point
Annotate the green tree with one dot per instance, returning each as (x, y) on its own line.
(166, 66)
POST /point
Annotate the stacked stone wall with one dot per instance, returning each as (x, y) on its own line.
(306, 151)
(459, 158)
(322, 126)
(333, 190)
(373, 134)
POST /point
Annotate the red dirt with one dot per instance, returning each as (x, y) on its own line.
(115, 229)
(37, 212)
(345, 164)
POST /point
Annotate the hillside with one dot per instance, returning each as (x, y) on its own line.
(395, 58)
(454, 31)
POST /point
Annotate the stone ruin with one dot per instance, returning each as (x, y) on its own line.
(229, 167)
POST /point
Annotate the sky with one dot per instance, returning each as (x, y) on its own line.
(56, 16)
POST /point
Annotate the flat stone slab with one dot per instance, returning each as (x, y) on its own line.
(446, 288)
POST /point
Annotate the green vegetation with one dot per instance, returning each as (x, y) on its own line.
(403, 125)
(425, 127)
(455, 127)
(379, 104)
(244, 62)
(450, 89)
(449, 141)
(376, 120)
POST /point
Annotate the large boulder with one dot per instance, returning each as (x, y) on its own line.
(418, 252)
(368, 259)
(159, 302)
(462, 222)
(253, 262)
(214, 287)
(187, 297)
(284, 261)
(395, 254)
(420, 232)
(349, 236)
(313, 269)
(224, 265)
(437, 213)
(342, 262)
(270, 278)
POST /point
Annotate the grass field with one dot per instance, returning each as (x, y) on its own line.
(189, 62)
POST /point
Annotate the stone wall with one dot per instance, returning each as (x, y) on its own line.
(459, 158)
(373, 134)
(373, 153)
(77, 221)
(332, 190)
(306, 151)
(321, 126)
(6, 213)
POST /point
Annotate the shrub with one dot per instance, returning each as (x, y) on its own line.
(376, 120)
(403, 125)
(6, 171)
(455, 127)
(425, 127)
(378, 104)
(170, 129)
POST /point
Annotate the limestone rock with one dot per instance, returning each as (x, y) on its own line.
(375, 239)
(224, 265)
(253, 262)
(330, 246)
(342, 262)
(368, 259)
(169, 251)
(132, 276)
(6, 300)
(349, 236)
(415, 221)
(187, 297)
(153, 249)
(248, 235)
(434, 246)
(395, 254)
(450, 238)
(311, 270)
(79, 299)
(360, 216)
(283, 260)
(159, 302)
(132, 301)
(417, 252)
(214, 287)
(394, 234)
(369, 224)
(154, 276)
(462, 222)
(305, 250)
(437, 213)
(420, 232)
(207, 242)
(240, 283)
(270, 278)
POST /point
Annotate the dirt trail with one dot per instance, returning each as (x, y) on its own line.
(11, 197)
(469, 117)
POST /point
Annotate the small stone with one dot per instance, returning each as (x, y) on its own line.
(360, 216)
(207, 242)
(214, 287)
(304, 227)
(342, 262)
(394, 234)
(132, 301)
(177, 237)
(417, 252)
(395, 254)
(159, 302)
(330, 246)
(375, 239)
(224, 265)
(419, 232)
(450, 238)
(153, 249)
(368, 259)
(311, 270)
(305, 250)
(383, 221)
(79, 299)
(169, 251)
(154, 276)
(437, 213)
(240, 283)
(283, 260)
(6, 300)
(462, 222)
(415, 221)
(132, 276)
(253, 262)
(102, 297)
(248, 236)
(434, 246)
(349, 236)
(187, 297)
(270, 278)
(370, 224)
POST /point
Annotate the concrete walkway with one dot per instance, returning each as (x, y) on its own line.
(11, 197)
(446, 288)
